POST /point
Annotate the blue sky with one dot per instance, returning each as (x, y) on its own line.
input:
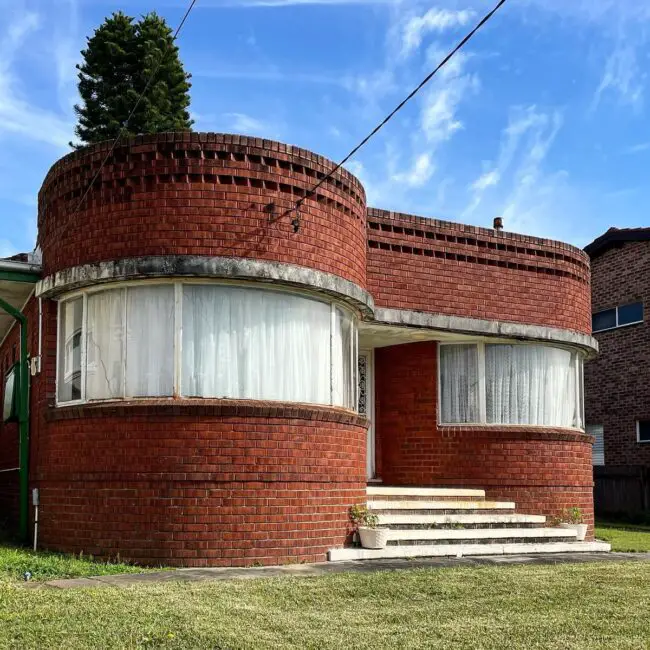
(544, 119)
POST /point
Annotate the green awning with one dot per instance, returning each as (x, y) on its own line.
(17, 280)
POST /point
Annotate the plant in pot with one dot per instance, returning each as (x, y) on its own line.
(365, 523)
(572, 518)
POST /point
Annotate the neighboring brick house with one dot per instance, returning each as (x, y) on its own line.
(616, 388)
(218, 375)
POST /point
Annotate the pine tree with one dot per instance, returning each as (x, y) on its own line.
(119, 60)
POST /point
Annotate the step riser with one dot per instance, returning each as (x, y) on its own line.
(463, 550)
(455, 504)
(441, 511)
(399, 497)
(411, 492)
(470, 540)
(484, 526)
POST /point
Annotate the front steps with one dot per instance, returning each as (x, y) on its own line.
(444, 522)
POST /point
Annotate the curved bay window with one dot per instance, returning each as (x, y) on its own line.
(205, 340)
(519, 384)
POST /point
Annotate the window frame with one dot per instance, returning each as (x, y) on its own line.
(638, 431)
(615, 310)
(588, 429)
(482, 394)
(14, 414)
(177, 339)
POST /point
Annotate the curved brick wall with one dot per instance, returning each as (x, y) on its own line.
(219, 483)
(428, 265)
(202, 194)
(543, 470)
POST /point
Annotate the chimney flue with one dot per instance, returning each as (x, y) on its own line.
(498, 223)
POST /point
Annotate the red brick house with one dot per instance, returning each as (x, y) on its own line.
(217, 377)
(617, 395)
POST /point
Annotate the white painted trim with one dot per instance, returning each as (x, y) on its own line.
(11, 469)
(615, 310)
(638, 435)
(371, 441)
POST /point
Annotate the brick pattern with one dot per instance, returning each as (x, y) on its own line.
(615, 390)
(426, 265)
(202, 194)
(546, 470)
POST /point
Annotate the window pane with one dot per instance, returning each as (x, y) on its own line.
(530, 384)
(253, 344)
(105, 345)
(603, 320)
(69, 380)
(342, 386)
(598, 455)
(459, 383)
(9, 395)
(644, 430)
(150, 341)
(630, 313)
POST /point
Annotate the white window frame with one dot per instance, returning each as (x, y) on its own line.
(482, 396)
(617, 326)
(178, 335)
(638, 433)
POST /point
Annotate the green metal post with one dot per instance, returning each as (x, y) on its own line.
(23, 418)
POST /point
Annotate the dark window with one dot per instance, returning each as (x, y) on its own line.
(643, 430)
(10, 396)
(603, 320)
(630, 313)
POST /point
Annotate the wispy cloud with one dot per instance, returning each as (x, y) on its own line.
(236, 123)
(422, 170)
(435, 20)
(637, 148)
(622, 78)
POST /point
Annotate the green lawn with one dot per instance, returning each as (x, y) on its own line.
(15, 561)
(579, 606)
(624, 537)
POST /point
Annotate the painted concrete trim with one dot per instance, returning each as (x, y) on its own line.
(477, 326)
(194, 266)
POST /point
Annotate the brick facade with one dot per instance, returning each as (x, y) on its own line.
(616, 393)
(218, 482)
(543, 470)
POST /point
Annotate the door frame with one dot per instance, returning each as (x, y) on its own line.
(371, 464)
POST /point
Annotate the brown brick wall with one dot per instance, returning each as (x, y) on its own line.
(543, 470)
(202, 194)
(434, 266)
(616, 390)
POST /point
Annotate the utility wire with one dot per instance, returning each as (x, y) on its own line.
(135, 107)
(401, 105)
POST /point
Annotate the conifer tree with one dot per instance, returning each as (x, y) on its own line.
(118, 62)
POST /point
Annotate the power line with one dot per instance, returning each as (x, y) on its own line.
(135, 107)
(401, 105)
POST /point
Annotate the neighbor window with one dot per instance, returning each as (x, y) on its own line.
(510, 384)
(598, 455)
(206, 340)
(10, 395)
(617, 317)
(643, 430)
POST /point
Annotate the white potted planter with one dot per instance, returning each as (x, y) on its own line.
(373, 537)
(581, 530)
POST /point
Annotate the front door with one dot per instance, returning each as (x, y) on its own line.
(367, 405)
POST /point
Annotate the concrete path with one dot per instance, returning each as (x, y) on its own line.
(324, 568)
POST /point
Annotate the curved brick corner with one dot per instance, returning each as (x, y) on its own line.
(216, 484)
(202, 194)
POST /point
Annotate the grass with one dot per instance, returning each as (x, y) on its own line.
(624, 537)
(16, 560)
(569, 606)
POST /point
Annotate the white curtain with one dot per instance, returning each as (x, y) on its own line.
(255, 344)
(105, 345)
(530, 384)
(459, 383)
(69, 383)
(150, 341)
(343, 374)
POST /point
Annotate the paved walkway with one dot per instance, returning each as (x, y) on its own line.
(324, 568)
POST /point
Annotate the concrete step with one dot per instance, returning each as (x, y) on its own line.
(479, 535)
(485, 520)
(425, 493)
(452, 505)
(460, 550)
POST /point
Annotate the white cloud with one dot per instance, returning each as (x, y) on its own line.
(421, 171)
(622, 77)
(435, 20)
(488, 179)
(637, 148)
